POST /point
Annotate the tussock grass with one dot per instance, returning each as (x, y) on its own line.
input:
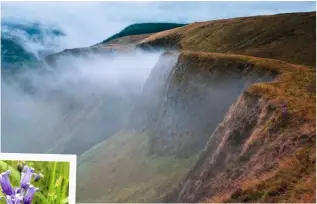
(294, 181)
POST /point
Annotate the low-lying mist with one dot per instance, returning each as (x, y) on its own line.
(74, 104)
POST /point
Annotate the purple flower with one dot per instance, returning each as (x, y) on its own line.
(9, 200)
(23, 194)
(29, 195)
(26, 176)
(5, 183)
(14, 199)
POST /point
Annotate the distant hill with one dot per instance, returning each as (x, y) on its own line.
(13, 52)
(26, 43)
(143, 28)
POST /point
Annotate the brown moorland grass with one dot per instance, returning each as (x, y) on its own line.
(294, 181)
(287, 37)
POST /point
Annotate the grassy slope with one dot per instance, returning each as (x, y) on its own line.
(119, 170)
(143, 28)
(288, 37)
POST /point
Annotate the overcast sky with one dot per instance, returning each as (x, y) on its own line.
(87, 23)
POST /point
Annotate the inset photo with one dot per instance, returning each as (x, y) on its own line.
(37, 178)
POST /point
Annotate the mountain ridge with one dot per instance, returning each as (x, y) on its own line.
(289, 37)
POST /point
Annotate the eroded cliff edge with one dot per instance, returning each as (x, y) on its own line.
(264, 149)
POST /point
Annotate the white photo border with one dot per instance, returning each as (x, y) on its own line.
(72, 159)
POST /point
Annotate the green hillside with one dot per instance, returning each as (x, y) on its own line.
(129, 173)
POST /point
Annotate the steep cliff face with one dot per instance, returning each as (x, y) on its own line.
(264, 150)
(192, 99)
(185, 97)
(154, 92)
(224, 147)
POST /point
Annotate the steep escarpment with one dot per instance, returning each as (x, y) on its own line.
(163, 113)
(264, 150)
(154, 92)
(289, 37)
(193, 97)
